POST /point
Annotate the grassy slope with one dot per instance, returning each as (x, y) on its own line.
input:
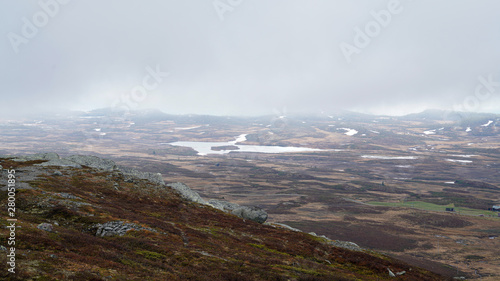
(191, 242)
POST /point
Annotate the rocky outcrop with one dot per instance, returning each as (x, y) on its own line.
(38, 156)
(186, 192)
(67, 195)
(346, 245)
(50, 156)
(282, 225)
(222, 205)
(340, 244)
(77, 161)
(153, 177)
(118, 228)
(57, 173)
(45, 227)
(60, 163)
(251, 213)
(93, 162)
(246, 212)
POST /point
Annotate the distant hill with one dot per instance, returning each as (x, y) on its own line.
(446, 115)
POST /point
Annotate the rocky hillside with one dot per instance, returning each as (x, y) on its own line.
(84, 218)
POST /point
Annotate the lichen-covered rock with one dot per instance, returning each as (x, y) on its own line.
(67, 195)
(118, 228)
(38, 156)
(346, 245)
(251, 213)
(45, 226)
(186, 192)
(153, 177)
(246, 212)
(60, 163)
(93, 162)
(57, 173)
(340, 244)
(222, 205)
(391, 274)
(282, 225)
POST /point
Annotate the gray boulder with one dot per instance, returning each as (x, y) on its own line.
(153, 177)
(246, 212)
(274, 224)
(67, 195)
(186, 192)
(391, 274)
(93, 162)
(340, 244)
(346, 245)
(46, 227)
(222, 205)
(118, 228)
(60, 163)
(77, 161)
(251, 213)
(57, 173)
(38, 156)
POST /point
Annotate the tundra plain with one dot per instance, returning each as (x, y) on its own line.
(379, 181)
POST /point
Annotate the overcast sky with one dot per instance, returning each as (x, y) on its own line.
(250, 57)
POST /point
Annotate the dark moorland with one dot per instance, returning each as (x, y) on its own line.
(61, 236)
(381, 182)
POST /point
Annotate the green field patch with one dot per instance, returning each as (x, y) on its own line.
(435, 207)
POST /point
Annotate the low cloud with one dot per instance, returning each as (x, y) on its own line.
(256, 57)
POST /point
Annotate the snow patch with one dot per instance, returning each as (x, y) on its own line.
(350, 132)
(459, 161)
(188, 128)
(240, 138)
(430, 132)
(487, 124)
(389, 157)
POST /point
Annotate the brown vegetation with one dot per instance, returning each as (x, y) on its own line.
(189, 241)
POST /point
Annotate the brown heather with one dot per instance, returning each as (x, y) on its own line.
(190, 241)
